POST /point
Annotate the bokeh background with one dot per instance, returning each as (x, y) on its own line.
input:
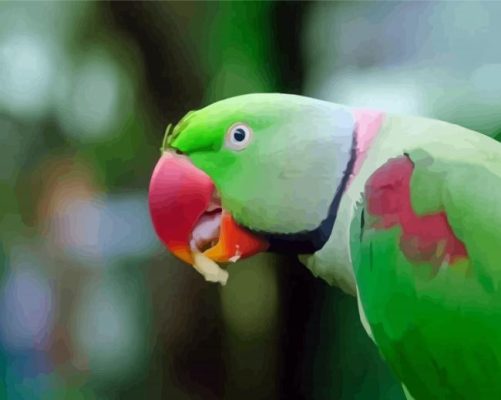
(91, 305)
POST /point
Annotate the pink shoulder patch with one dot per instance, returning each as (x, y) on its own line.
(368, 126)
(427, 238)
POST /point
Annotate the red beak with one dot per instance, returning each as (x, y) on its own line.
(180, 194)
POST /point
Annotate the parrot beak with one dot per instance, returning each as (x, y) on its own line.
(188, 218)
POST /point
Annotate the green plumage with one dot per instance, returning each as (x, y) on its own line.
(432, 305)
(440, 330)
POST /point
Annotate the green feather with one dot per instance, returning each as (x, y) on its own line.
(165, 141)
(441, 333)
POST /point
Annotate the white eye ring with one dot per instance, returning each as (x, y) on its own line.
(238, 136)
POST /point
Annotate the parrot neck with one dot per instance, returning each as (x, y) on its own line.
(369, 124)
(310, 241)
(333, 261)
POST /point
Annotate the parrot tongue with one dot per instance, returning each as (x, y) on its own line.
(206, 232)
(187, 215)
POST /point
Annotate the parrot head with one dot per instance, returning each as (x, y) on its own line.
(253, 173)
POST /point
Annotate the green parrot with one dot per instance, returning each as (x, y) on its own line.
(402, 212)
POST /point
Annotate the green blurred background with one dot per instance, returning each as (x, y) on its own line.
(91, 305)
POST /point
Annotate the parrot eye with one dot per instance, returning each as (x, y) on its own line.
(238, 136)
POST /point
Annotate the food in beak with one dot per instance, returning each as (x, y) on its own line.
(209, 269)
(204, 236)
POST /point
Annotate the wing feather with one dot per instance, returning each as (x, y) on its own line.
(426, 248)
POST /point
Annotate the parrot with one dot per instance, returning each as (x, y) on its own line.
(403, 212)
